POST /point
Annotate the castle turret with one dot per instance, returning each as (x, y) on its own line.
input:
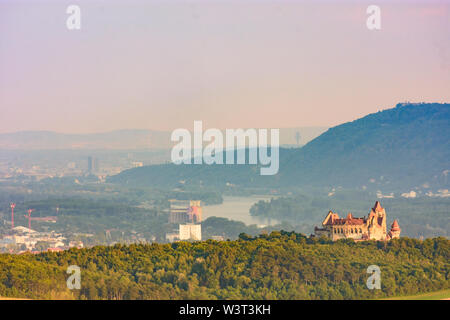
(377, 222)
(395, 226)
(395, 230)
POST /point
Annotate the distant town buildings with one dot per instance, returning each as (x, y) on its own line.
(90, 165)
(137, 164)
(93, 165)
(23, 239)
(188, 215)
(173, 236)
(183, 211)
(186, 232)
(372, 227)
(190, 232)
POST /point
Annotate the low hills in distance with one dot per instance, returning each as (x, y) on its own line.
(123, 139)
(403, 148)
(116, 140)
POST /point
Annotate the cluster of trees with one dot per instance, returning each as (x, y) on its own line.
(231, 229)
(281, 265)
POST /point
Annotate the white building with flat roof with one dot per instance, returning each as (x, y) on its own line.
(190, 232)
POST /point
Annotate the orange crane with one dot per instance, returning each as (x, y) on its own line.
(45, 219)
(29, 217)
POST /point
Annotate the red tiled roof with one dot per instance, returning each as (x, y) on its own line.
(395, 226)
(351, 221)
(332, 218)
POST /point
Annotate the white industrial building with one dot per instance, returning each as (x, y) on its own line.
(190, 232)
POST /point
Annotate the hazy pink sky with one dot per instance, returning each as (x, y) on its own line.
(163, 64)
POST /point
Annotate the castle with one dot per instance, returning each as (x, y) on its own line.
(371, 228)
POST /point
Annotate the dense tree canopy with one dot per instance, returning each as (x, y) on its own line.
(282, 265)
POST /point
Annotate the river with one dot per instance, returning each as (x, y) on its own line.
(238, 208)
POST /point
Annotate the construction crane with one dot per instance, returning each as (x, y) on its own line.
(29, 217)
(44, 219)
(12, 205)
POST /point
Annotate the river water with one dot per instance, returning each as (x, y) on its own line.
(238, 208)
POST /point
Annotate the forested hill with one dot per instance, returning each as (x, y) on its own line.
(399, 148)
(282, 265)
(407, 145)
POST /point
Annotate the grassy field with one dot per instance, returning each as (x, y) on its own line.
(438, 295)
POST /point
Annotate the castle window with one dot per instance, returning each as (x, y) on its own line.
(352, 230)
(360, 230)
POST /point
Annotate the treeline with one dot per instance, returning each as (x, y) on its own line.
(281, 265)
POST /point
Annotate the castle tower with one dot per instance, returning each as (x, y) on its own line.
(395, 231)
(377, 222)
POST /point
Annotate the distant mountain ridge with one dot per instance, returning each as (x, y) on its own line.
(409, 144)
(121, 139)
(404, 147)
